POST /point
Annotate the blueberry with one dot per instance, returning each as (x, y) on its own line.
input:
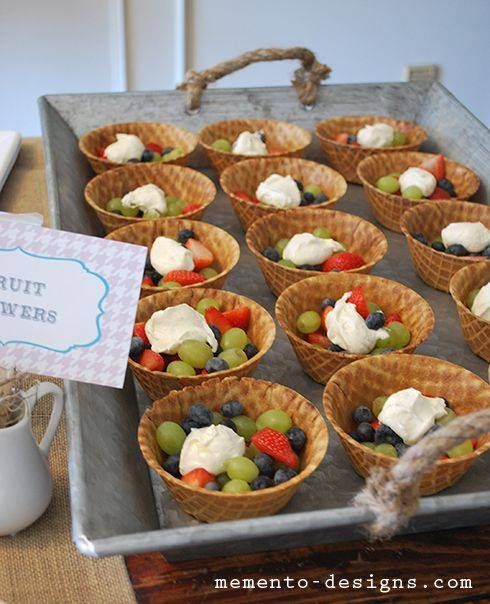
(136, 348)
(212, 486)
(216, 331)
(447, 185)
(232, 408)
(365, 432)
(154, 275)
(171, 465)
(375, 320)
(457, 250)
(201, 415)
(271, 254)
(283, 475)
(362, 414)
(184, 235)
(250, 350)
(308, 197)
(308, 267)
(320, 198)
(438, 246)
(354, 435)
(229, 423)
(147, 155)
(187, 424)
(265, 463)
(421, 237)
(352, 138)
(216, 364)
(261, 482)
(401, 448)
(303, 203)
(299, 184)
(384, 434)
(166, 150)
(296, 437)
(486, 252)
(327, 302)
(335, 348)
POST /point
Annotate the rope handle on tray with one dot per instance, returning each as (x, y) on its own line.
(306, 78)
(392, 494)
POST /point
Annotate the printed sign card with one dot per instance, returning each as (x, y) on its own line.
(67, 303)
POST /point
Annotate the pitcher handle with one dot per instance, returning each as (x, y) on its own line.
(43, 389)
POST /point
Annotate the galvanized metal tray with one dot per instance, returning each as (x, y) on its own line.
(117, 506)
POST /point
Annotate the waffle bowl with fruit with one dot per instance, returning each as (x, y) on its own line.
(256, 397)
(215, 252)
(464, 286)
(388, 208)
(364, 381)
(281, 139)
(240, 183)
(152, 134)
(316, 355)
(345, 157)
(365, 243)
(193, 190)
(435, 267)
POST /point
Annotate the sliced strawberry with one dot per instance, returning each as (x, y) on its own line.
(319, 338)
(139, 331)
(202, 256)
(214, 317)
(394, 317)
(198, 477)
(344, 261)
(155, 147)
(342, 137)
(440, 194)
(375, 424)
(324, 314)
(276, 445)
(436, 165)
(184, 277)
(244, 196)
(191, 207)
(474, 442)
(238, 317)
(357, 298)
(152, 360)
(101, 153)
(147, 281)
(275, 150)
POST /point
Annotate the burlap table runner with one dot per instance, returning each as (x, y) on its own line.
(41, 565)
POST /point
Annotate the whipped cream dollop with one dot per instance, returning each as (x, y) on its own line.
(249, 143)
(416, 177)
(279, 191)
(146, 197)
(474, 236)
(126, 147)
(167, 255)
(167, 329)
(375, 135)
(411, 414)
(210, 448)
(481, 303)
(347, 328)
(305, 248)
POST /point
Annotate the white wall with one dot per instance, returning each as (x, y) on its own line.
(54, 46)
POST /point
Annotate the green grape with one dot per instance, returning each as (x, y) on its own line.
(208, 272)
(174, 208)
(195, 353)
(308, 321)
(281, 244)
(378, 404)
(287, 263)
(172, 199)
(445, 419)
(463, 448)
(205, 303)
(170, 437)
(373, 307)
(322, 233)
(369, 445)
(413, 192)
(236, 486)
(234, 357)
(276, 419)
(169, 284)
(180, 369)
(221, 144)
(151, 214)
(172, 155)
(471, 297)
(114, 205)
(313, 189)
(129, 212)
(157, 158)
(399, 138)
(245, 426)
(217, 418)
(234, 338)
(386, 449)
(241, 468)
(388, 184)
(222, 479)
(399, 336)
(251, 452)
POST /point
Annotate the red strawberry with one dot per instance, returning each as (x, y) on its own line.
(319, 338)
(357, 298)
(139, 331)
(147, 281)
(342, 137)
(325, 312)
(375, 424)
(440, 194)
(191, 207)
(152, 360)
(203, 372)
(245, 197)
(184, 277)
(276, 445)
(275, 150)
(214, 317)
(345, 261)
(201, 255)
(155, 147)
(394, 317)
(474, 442)
(238, 317)
(101, 153)
(198, 477)
(436, 165)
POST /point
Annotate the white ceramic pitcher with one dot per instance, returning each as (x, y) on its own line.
(25, 482)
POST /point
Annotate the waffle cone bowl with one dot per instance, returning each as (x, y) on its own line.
(165, 135)
(257, 396)
(345, 158)
(437, 268)
(187, 184)
(247, 175)
(361, 382)
(476, 330)
(360, 237)
(389, 209)
(261, 331)
(288, 139)
(320, 363)
(224, 247)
